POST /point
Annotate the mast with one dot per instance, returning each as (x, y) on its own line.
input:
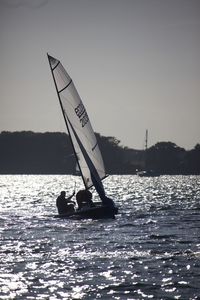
(146, 140)
(66, 123)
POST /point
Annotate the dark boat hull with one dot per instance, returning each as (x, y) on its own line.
(148, 174)
(101, 212)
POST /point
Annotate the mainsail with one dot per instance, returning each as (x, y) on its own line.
(83, 139)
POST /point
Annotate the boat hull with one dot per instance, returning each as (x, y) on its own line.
(101, 212)
(148, 174)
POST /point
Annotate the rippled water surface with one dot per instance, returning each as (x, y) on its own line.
(151, 250)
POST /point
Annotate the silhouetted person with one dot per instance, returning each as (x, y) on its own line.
(84, 199)
(65, 205)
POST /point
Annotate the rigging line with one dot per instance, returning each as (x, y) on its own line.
(65, 87)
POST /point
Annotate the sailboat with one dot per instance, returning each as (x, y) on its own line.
(84, 143)
(146, 172)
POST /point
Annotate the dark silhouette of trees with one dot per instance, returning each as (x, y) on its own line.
(35, 153)
(112, 153)
(27, 152)
(192, 161)
(165, 158)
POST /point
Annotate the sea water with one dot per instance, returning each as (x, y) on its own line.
(150, 251)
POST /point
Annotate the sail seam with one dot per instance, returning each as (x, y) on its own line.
(65, 86)
(94, 146)
(55, 66)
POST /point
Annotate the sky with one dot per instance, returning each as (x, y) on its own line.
(135, 64)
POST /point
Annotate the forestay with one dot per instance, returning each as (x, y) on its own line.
(78, 125)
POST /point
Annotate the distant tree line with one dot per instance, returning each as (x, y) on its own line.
(168, 158)
(27, 152)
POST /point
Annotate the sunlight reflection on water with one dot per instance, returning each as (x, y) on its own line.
(151, 250)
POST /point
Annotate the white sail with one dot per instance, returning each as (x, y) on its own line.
(83, 139)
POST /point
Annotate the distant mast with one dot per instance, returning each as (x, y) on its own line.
(146, 140)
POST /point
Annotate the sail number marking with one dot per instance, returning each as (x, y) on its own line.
(82, 114)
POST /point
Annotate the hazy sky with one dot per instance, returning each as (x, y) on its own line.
(135, 64)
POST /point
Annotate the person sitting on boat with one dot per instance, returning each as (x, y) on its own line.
(65, 205)
(84, 199)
